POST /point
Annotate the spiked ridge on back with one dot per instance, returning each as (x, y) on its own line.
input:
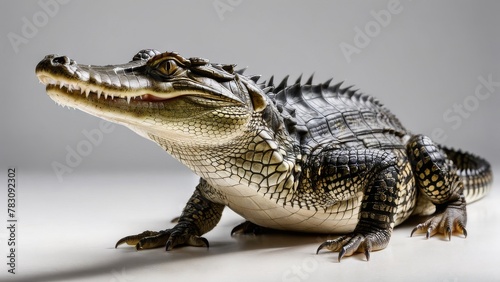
(307, 98)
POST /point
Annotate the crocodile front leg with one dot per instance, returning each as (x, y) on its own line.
(198, 217)
(375, 173)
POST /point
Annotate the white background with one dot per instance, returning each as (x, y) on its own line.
(423, 63)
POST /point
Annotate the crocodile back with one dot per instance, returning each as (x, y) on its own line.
(321, 114)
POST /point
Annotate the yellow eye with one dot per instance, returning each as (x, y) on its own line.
(168, 67)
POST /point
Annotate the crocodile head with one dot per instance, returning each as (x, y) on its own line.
(158, 94)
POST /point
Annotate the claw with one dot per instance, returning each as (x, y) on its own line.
(449, 221)
(242, 227)
(197, 241)
(321, 247)
(342, 253)
(204, 242)
(413, 231)
(153, 239)
(367, 255)
(168, 245)
(368, 249)
(348, 245)
(121, 241)
(145, 240)
(248, 227)
(135, 239)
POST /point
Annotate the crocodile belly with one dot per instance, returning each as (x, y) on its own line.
(341, 217)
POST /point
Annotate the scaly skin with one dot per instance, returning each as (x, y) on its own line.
(308, 158)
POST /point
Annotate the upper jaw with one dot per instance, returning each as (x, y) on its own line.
(119, 81)
(127, 81)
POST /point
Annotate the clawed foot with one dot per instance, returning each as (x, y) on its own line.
(169, 239)
(347, 245)
(449, 221)
(248, 227)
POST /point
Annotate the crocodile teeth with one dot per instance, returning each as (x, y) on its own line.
(88, 91)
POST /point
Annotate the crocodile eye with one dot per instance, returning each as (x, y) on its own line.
(168, 67)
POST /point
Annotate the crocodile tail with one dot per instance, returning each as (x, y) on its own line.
(474, 171)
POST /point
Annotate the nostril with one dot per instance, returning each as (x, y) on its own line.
(62, 60)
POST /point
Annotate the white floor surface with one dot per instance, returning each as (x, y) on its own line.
(67, 231)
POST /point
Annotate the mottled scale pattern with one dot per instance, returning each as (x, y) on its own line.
(332, 114)
(304, 157)
(323, 116)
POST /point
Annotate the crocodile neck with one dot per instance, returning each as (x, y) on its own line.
(257, 155)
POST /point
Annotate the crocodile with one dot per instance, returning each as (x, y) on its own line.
(297, 157)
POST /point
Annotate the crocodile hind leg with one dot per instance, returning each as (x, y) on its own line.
(374, 172)
(437, 179)
(198, 217)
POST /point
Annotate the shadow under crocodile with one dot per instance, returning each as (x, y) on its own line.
(130, 259)
(159, 258)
